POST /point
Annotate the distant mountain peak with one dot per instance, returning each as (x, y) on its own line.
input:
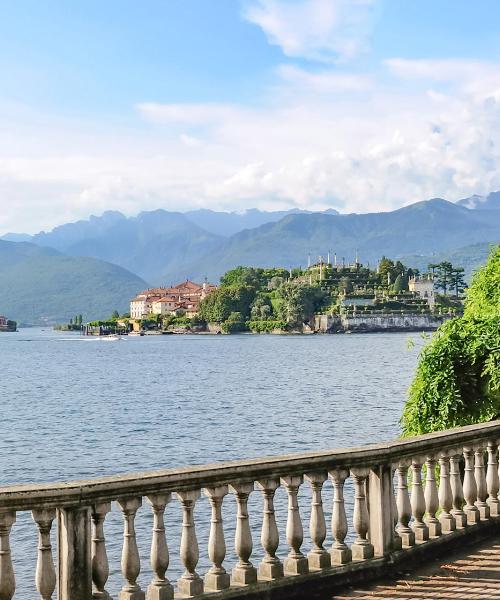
(477, 202)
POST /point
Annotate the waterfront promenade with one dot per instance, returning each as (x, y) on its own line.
(378, 523)
(472, 573)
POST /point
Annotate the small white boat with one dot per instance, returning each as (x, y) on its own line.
(111, 338)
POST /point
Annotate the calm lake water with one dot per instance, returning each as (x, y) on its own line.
(75, 407)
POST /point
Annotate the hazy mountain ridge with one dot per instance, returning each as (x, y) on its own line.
(152, 244)
(165, 247)
(476, 202)
(422, 228)
(230, 223)
(469, 257)
(41, 285)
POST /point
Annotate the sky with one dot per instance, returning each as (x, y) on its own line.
(359, 105)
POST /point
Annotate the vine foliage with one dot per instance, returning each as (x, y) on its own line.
(458, 376)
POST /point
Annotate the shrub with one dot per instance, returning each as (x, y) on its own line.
(458, 376)
(265, 326)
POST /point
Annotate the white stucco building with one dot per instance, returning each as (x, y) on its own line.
(424, 288)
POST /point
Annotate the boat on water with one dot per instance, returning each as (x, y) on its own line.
(7, 325)
(115, 337)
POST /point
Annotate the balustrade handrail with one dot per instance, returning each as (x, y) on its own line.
(85, 492)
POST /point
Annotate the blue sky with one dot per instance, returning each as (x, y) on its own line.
(358, 104)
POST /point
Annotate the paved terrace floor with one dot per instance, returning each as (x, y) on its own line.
(472, 574)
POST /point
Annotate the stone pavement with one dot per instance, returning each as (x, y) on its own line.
(472, 574)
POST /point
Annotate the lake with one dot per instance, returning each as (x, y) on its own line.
(76, 407)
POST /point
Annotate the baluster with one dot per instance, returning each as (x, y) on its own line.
(318, 557)
(431, 498)
(470, 488)
(404, 507)
(397, 542)
(244, 573)
(492, 481)
(160, 587)
(420, 529)
(445, 495)
(482, 490)
(131, 564)
(361, 548)
(271, 567)
(216, 579)
(45, 572)
(190, 584)
(457, 492)
(100, 565)
(339, 552)
(295, 563)
(7, 577)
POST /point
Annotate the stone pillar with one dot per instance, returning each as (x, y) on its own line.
(131, 564)
(7, 578)
(431, 498)
(45, 572)
(404, 507)
(160, 587)
(190, 584)
(361, 549)
(457, 492)
(295, 563)
(420, 529)
(470, 488)
(318, 557)
(445, 495)
(339, 552)
(271, 567)
(244, 573)
(381, 515)
(492, 481)
(482, 490)
(75, 559)
(216, 579)
(100, 565)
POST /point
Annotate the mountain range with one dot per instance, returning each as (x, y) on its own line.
(41, 285)
(163, 246)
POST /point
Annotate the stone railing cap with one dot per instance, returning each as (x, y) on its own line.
(87, 492)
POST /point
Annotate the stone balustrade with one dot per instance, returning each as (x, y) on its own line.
(407, 496)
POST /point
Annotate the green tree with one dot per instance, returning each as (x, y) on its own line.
(234, 323)
(248, 276)
(298, 302)
(345, 285)
(385, 270)
(458, 280)
(399, 284)
(218, 305)
(261, 308)
(458, 376)
(275, 282)
(432, 268)
(443, 279)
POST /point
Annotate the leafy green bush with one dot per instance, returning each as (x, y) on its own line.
(458, 376)
(234, 323)
(265, 326)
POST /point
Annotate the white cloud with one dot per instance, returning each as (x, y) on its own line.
(478, 79)
(322, 30)
(187, 114)
(190, 141)
(322, 138)
(323, 82)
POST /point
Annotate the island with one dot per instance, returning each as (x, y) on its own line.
(328, 296)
